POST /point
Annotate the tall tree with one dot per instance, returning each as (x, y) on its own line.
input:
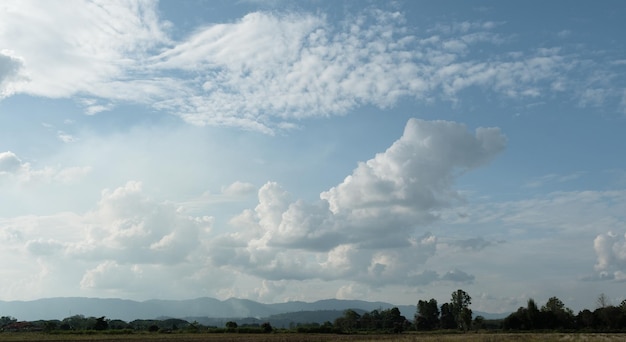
(427, 316)
(461, 301)
(6, 320)
(556, 315)
(553, 305)
(349, 322)
(602, 301)
(447, 320)
(101, 324)
(393, 320)
(533, 315)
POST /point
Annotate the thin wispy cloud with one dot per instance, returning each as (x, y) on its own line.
(268, 69)
(553, 178)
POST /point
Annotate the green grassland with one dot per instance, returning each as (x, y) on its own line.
(294, 337)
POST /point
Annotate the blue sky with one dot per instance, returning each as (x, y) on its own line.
(277, 150)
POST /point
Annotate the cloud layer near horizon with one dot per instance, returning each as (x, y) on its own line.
(370, 228)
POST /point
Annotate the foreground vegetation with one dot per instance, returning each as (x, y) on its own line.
(451, 321)
(294, 337)
(552, 316)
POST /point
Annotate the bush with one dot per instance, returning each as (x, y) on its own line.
(267, 327)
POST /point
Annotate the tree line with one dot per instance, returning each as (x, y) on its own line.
(453, 315)
(553, 315)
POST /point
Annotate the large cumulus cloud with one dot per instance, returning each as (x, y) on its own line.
(130, 228)
(9, 163)
(370, 227)
(610, 249)
(9, 72)
(123, 244)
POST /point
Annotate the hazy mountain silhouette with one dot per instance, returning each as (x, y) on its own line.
(127, 310)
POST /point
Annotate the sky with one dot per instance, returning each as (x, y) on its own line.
(303, 150)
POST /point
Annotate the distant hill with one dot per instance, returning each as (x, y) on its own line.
(204, 309)
(283, 320)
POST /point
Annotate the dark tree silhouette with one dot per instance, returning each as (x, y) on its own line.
(427, 316)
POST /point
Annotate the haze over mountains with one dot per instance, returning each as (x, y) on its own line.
(128, 310)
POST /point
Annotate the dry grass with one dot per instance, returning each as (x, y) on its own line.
(470, 337)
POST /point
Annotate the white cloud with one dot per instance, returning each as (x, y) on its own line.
(71, 174)
(558, 235)
(44, 247)
(9, 73)
(458, 276)
(472, 244)
(564, 33)
(610, 249)
(10, 163)
(128, 227)
(415, 175)
(352, 291)
(93, 106)
(464, 26)
(238, 188)
(65, 137)
(366, 228)
(318, 69)
(80, 48)
(110, 275)
(264, 71)
(123, 245)
(593, 97)
(14, 168)
(552, 178)
(562, 212)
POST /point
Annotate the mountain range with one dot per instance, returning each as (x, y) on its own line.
(200, 309)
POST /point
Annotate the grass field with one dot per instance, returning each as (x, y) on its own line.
(471, 337)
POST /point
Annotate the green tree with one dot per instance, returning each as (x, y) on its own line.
(533, 315)
(553, 305)
(460, 309)
(118, 324)
(603, 301)
(366, 321)
(447, 320)
(393, 321)
(6, 320)
(101, 324)
(230, 325)
(78, 322)
(585, 319)
(267, 327)
(479, 322)
(555, 315)
(517, 320)
(609, 318)
(193, 327)
(349, 322)
(376, 320)
(49, 326)
(427, 316)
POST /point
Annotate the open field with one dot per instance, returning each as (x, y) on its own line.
(472, 337)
